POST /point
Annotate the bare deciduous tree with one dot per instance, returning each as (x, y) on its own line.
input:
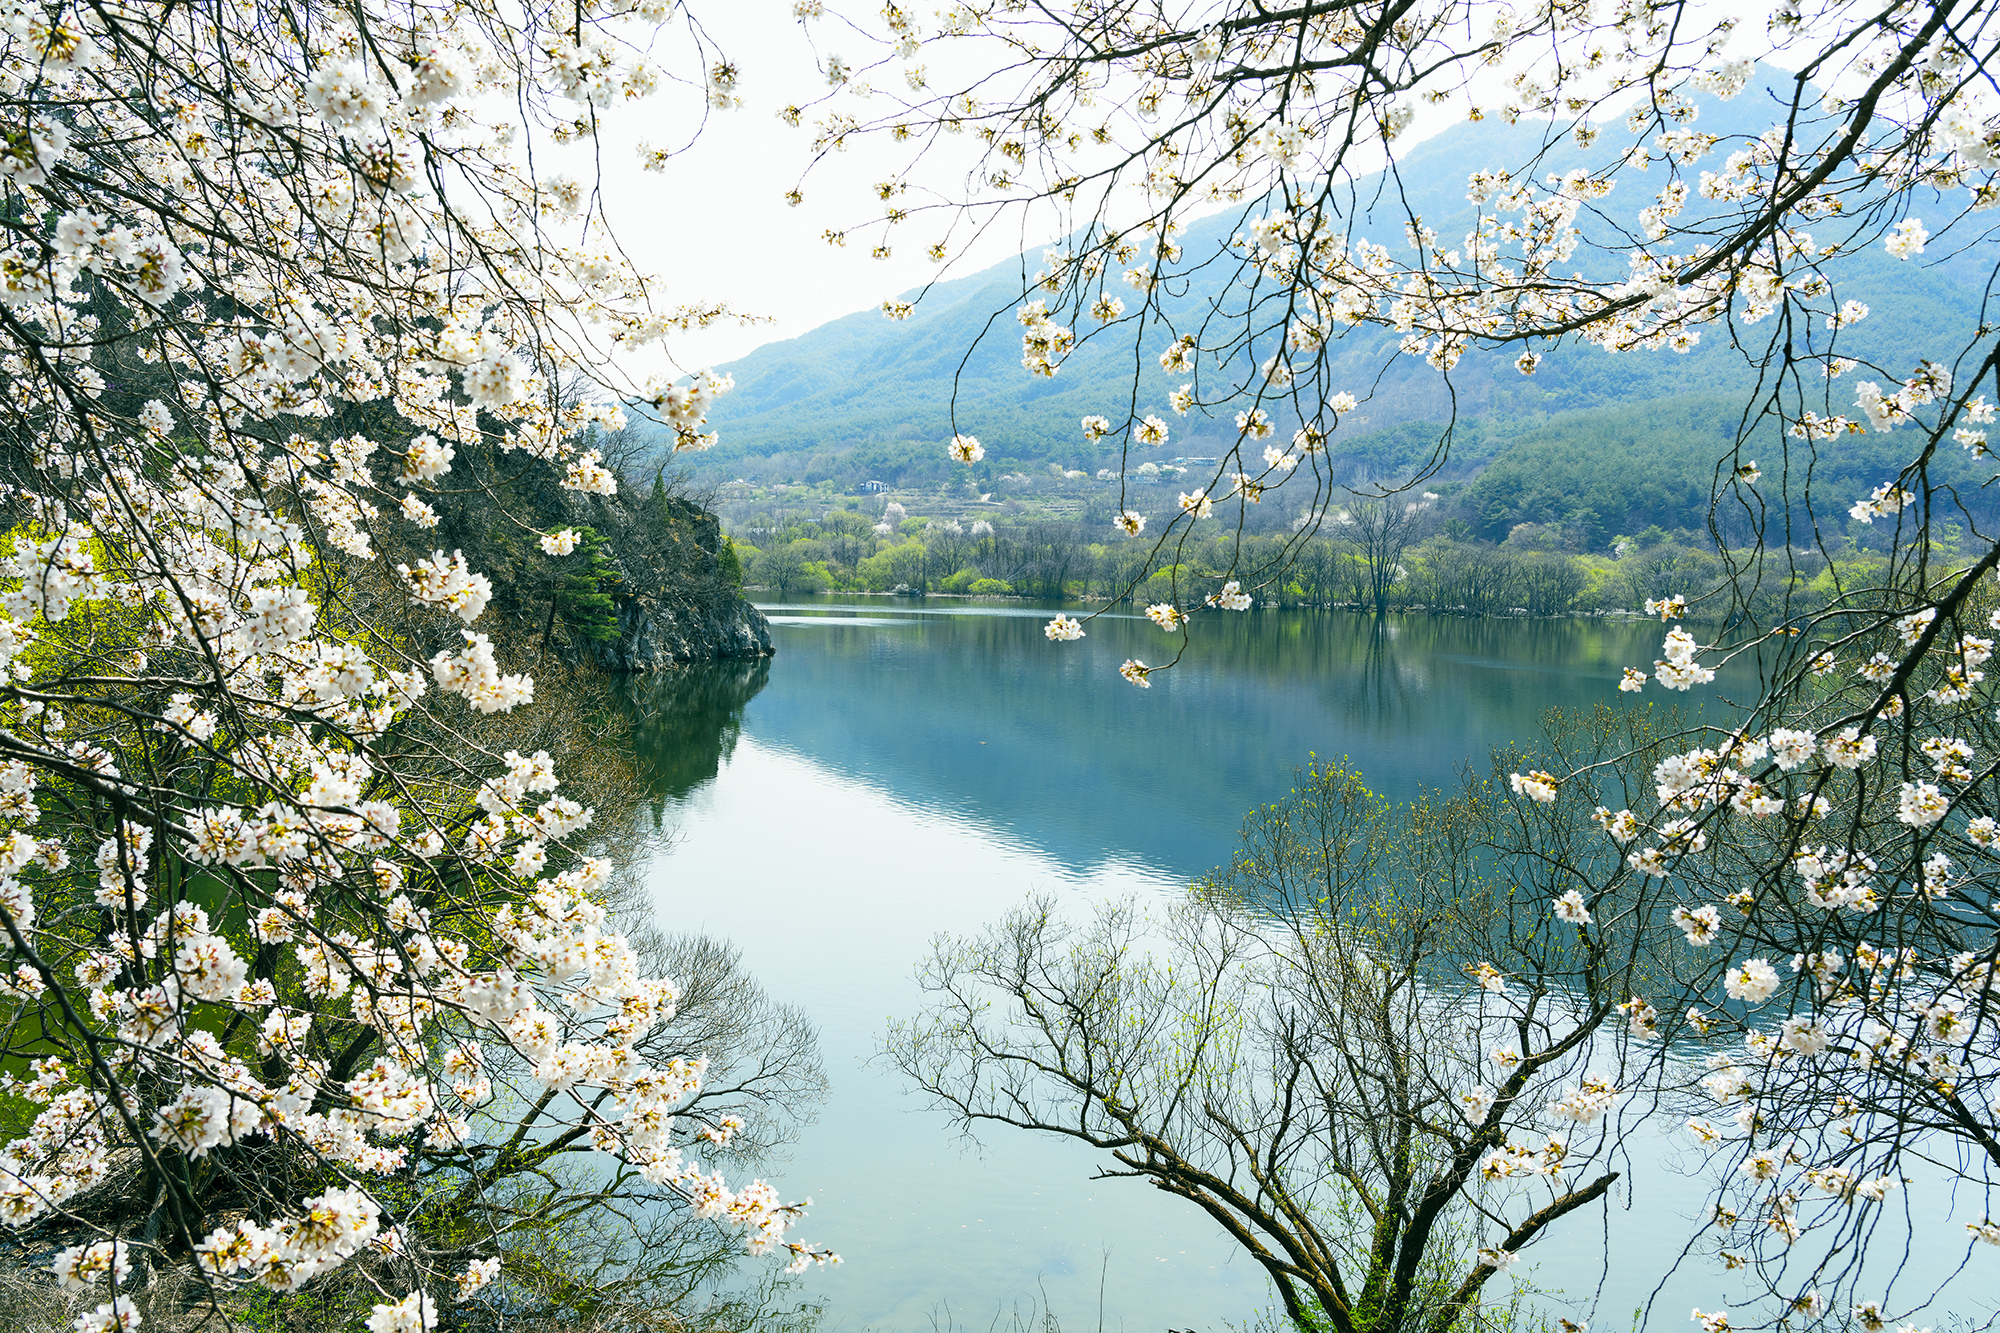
(1294, 1048)
(1382, 531)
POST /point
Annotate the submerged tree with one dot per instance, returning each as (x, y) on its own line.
(1382, 531)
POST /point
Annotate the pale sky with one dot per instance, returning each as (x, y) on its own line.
(715, 227)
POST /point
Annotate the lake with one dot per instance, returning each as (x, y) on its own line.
(907, 767)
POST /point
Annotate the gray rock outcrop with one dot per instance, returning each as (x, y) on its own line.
(674, 590)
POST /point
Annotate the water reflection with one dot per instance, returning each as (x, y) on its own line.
(686, 721)
(978, 714)
(913, 767)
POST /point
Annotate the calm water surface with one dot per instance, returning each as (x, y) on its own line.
(906, 768)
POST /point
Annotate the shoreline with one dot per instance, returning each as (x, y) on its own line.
(1356, 608)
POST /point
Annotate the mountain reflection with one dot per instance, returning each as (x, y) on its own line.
(973, 712)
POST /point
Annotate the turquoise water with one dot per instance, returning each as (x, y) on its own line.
(908, 768)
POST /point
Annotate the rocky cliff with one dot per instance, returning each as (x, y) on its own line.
(670, 611)
(653, 587)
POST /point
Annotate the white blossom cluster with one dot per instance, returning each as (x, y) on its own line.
(1662, 224)
(1829, 878)
(268, 284)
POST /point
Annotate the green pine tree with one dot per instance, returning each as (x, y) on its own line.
(581, 593)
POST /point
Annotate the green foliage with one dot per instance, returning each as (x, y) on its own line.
(729, 565)
(581, 595)
(902, 564)
(1541, 569)
(796, 566)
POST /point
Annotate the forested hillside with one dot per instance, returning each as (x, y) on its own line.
(1613, 443)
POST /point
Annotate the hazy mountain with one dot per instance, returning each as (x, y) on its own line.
(864, 396)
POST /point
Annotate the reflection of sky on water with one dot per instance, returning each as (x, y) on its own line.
(909, 770)
(834, 889)
(865, 621)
